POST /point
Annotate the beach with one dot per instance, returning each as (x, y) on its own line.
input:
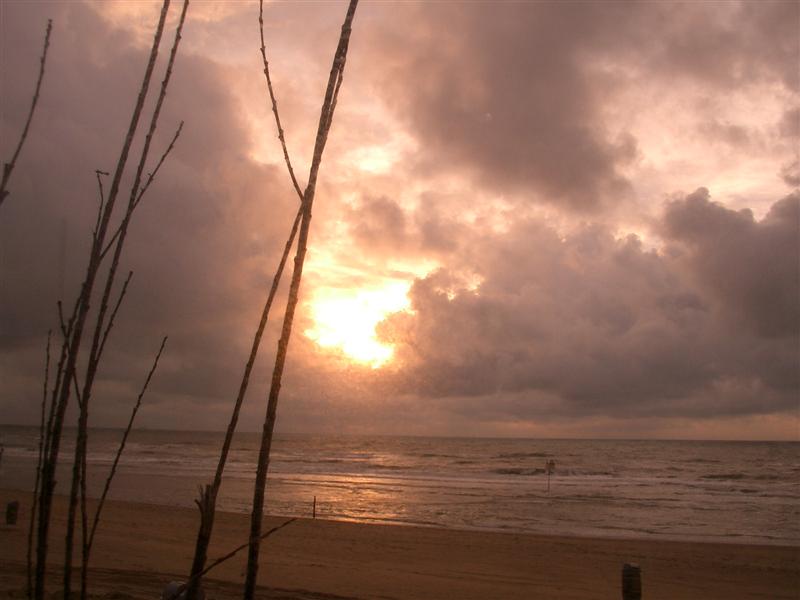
(140, 547)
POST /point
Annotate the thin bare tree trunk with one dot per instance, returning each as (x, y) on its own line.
(9, 166)
(109, 479)
(66, 332)
(88, 535)
(79, 459)
(208, 495)
(84, 530)
(38, 467)
(72, 344)
(326, 117)
(120, 450)
(101, 329)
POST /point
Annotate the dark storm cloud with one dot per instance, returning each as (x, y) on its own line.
(504, 92)
(789, 125)
(590, 324)
(387, 229)
(201, 246)
(725, 45)
(380, 224)
(789, 129)
(516, 96)
(750, 268)
(790, 173)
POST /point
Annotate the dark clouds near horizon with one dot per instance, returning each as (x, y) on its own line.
(695, 318)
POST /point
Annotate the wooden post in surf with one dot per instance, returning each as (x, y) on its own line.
(550, 466)
(12, 510)
(631, 582)
(314, 509)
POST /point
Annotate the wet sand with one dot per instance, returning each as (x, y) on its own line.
(140, 547)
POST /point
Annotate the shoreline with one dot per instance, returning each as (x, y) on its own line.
(140, 547)
(648, 490)
(651, 537)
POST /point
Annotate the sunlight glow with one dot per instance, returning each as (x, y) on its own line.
(373, 159)
(346, 319)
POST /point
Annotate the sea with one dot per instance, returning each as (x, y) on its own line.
(739, 492)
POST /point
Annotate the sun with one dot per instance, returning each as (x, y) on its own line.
(346, 319)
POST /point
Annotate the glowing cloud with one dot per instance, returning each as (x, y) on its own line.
(346, 319)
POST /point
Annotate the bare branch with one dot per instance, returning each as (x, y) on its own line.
(9, 166)
(281, 136)
(327, 114)
(100, 206)
(206, 504)
(100, 327)
(77, 390)
(233, 552)
(227, 556)
(51, 413)
(69, 354)
(339, 80)
(326, 117)
(38, 465)
(152, 176)
(113, 315)
(146, 185)
(207, 507)
(64, 331)
(84, 530)
(121, 448)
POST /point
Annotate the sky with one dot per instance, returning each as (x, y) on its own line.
(533, 219)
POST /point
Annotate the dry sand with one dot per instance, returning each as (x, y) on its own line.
(139, 548)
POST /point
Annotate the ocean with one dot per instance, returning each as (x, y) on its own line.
(746, 492)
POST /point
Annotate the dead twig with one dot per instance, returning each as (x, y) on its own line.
(113, 315)
(150, 178)
(38, 465)
(281, 136)
(61, 323)
(227, 556)
(121, 448)
(101, 193)
(164, 155)
(8, 167)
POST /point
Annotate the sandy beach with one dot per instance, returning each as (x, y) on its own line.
(141, 547)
